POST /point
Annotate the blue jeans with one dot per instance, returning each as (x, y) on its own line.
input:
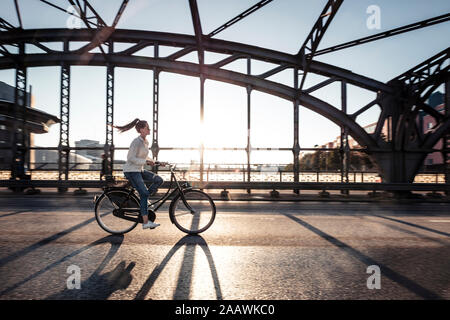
(137, 181)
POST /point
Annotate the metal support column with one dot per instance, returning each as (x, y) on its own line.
(109, 143)
(296, 147)
(18, 135)
(202, 126)
(201, 60)
(446, 142)
(248, 148)
(64, 148)
(155, 144)
(344, 148)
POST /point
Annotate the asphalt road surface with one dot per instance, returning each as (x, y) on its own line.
(254, 250)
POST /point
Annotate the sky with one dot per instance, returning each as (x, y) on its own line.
(281, 25)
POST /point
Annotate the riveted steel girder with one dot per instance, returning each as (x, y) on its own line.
(311, 43)
(192, 69)
(182, 40)
(239, 17)
(424, 78)
(385, 34)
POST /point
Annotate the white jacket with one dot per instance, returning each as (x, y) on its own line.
(137, 155)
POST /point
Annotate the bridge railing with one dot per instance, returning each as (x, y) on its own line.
(238, 173)
(223, 185)
(233, 177)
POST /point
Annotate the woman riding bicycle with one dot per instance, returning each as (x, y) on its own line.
(133, 169)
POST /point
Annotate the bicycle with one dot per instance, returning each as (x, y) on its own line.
(117, 209)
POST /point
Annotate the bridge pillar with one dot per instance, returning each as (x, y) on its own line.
(296, 147)
(108, 166)
(446, 144)
(202, 127)
(248, 149)
(399, 166)
(155, 146)
(400, 156)
(344, 147)
(19, 139)
(63, 147)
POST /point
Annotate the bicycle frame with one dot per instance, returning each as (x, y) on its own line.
(121, 211)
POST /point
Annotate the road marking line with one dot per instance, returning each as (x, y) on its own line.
(439, 220)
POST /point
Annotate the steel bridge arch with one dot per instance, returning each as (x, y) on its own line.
(76, 57)
(143, 39)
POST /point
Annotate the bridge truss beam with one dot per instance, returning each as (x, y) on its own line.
(312, 41)
(384, 34)
(407, 144)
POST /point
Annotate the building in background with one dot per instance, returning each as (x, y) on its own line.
(336, 143)
(48, 160)
(94, 155)
(37, 122)
(7, 93)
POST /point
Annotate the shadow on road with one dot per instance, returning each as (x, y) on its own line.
(100, 286)
(14, 213)
(183, 288)
(43, 242)
(389, 273)
(414, 225)
(116, 242)
(413, 233)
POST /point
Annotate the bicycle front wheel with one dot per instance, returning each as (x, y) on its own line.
(104, 211)
(195, 213)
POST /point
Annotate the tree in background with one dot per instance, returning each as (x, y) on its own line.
(331, 161)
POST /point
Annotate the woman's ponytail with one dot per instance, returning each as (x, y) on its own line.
(136, 123)
(127, 126)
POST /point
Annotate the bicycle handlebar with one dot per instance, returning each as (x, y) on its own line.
(170, 165)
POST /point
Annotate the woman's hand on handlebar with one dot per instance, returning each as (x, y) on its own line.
(157, 163)
(162, 164)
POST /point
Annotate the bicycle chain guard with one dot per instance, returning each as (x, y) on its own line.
(132, 217)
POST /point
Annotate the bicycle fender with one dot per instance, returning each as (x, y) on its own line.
(116, 188)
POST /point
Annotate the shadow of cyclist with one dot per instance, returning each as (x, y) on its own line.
(182, 290)
(100, 286)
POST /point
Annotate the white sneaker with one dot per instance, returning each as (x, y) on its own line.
(150, 225)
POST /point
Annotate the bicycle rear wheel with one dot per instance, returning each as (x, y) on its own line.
(197, 216)
(108, 219)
